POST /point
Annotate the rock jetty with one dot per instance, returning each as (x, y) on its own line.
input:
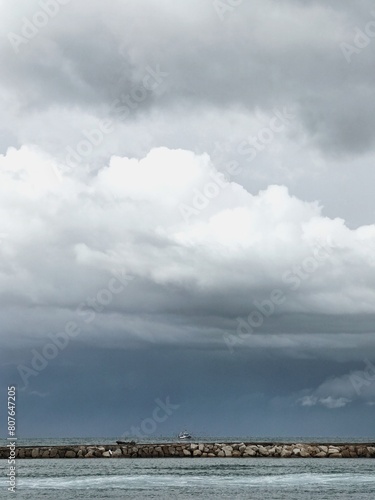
(196, 450)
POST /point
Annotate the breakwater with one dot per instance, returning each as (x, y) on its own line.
(196, 450)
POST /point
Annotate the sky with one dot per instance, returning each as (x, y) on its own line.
(187, 234)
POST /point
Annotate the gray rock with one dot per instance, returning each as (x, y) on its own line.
(305, 453)
(332, 450)
(321, 454)
(285, 453)
(228, 450)
(249, 453)
(263, 451)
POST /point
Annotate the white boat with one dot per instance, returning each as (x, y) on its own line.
(184, 435)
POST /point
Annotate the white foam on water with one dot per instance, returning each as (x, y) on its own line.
(154, 481)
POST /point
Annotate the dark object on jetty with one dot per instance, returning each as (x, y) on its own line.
(131, 443)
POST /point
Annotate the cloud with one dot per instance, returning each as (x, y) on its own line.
(69, 76)
(70, 233)
(328, 402)
(336, 392)
(244, 175)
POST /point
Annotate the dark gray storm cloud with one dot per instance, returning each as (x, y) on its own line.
(186, 211)
(260, 55)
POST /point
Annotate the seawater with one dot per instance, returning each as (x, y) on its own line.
(186, 478)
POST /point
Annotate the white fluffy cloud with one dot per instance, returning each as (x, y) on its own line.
(337, 392)
(171, 218)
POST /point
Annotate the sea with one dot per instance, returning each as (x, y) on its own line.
(187, 478)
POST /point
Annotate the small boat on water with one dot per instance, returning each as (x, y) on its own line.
(184, 435)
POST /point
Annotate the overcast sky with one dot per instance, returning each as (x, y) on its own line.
(187, 215)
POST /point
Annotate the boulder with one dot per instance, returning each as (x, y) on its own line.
(197, 453)
(332, 450)
(304, 453)
(70, 454)
(186, 453)
(321, 454)
(249, 452)
(228, 450)
(263, 451)
(285, 453)
(35, 453)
